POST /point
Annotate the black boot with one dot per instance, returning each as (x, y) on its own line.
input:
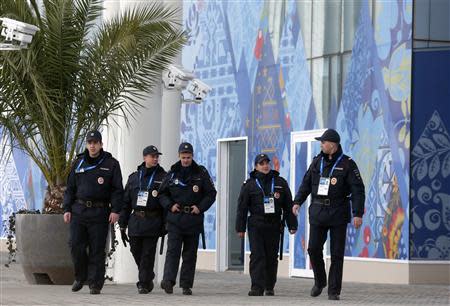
(334, 297)
(269, 292)
(316, 291)
(94, 290)
(256, 292)
(77, 285)
(167, 286)
(187, 291)
(142, 289)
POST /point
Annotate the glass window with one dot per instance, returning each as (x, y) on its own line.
(422, 19)
(326, 27)
(436, 44)
(309, 66)
(420, 44)
(351, 14)
(335, 82)
(304, 9)
(320, 87)
(439, 20)
(346, 59)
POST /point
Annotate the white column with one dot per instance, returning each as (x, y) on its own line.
(157, 124)
(170, 139)
(144, 130)
(170, 133)
(126, 144)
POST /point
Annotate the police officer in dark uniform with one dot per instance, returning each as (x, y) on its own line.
(143, 215)
(92, 199)
(334, 181)
(266, 195)
(187, 192)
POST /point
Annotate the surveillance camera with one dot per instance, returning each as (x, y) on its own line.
(16, 31)
(198, 89)
(177, 77)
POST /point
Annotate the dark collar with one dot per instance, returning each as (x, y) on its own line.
(93, 160)
(149, 171)
(334, 156)
(177, 167)
(261, 176)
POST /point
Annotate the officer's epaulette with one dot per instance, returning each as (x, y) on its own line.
(246, 181)
(203, 168)
(346, 157)
(80, 154)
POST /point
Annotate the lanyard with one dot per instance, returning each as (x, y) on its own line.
(81, 170)
(334, 166)
(178, 181)
(149, 181)
(272, 188)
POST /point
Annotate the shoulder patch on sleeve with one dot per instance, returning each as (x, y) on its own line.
(357, 174)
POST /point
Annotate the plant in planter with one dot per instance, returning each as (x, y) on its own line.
(78, 73)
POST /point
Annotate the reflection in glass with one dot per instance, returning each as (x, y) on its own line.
(321, 88)
(326, 27)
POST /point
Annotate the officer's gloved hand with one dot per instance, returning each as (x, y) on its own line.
(124, 236)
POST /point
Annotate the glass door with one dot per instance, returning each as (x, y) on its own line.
(303, 149)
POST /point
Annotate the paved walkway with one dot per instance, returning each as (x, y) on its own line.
(229, 288)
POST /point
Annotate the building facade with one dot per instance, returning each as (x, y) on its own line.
(281, 72)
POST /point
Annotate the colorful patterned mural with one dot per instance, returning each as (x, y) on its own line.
(253, 55)
(22, 185)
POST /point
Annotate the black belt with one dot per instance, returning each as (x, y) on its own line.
(186, 209)
(327, 202)
(147, 213)
(272, 219)
(89, 203)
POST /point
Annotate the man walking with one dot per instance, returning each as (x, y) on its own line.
(334, 181)
(93, 199)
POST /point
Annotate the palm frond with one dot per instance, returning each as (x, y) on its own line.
(78, 73)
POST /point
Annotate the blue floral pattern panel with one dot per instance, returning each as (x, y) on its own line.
(430, 158)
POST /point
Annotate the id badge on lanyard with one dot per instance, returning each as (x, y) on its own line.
(324, 185)
(142, 198)
(269, 205)
(269, 202)
(143, 195)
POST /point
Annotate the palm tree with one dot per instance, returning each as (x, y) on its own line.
(77, 74)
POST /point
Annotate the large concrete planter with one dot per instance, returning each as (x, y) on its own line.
(43, 249)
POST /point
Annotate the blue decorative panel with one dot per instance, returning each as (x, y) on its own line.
(430, 157)
(374, 122)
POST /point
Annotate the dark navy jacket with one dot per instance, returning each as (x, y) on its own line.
(346, 187)
(103, 183)
(152, 223)
(251, 199)
(199, 191)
